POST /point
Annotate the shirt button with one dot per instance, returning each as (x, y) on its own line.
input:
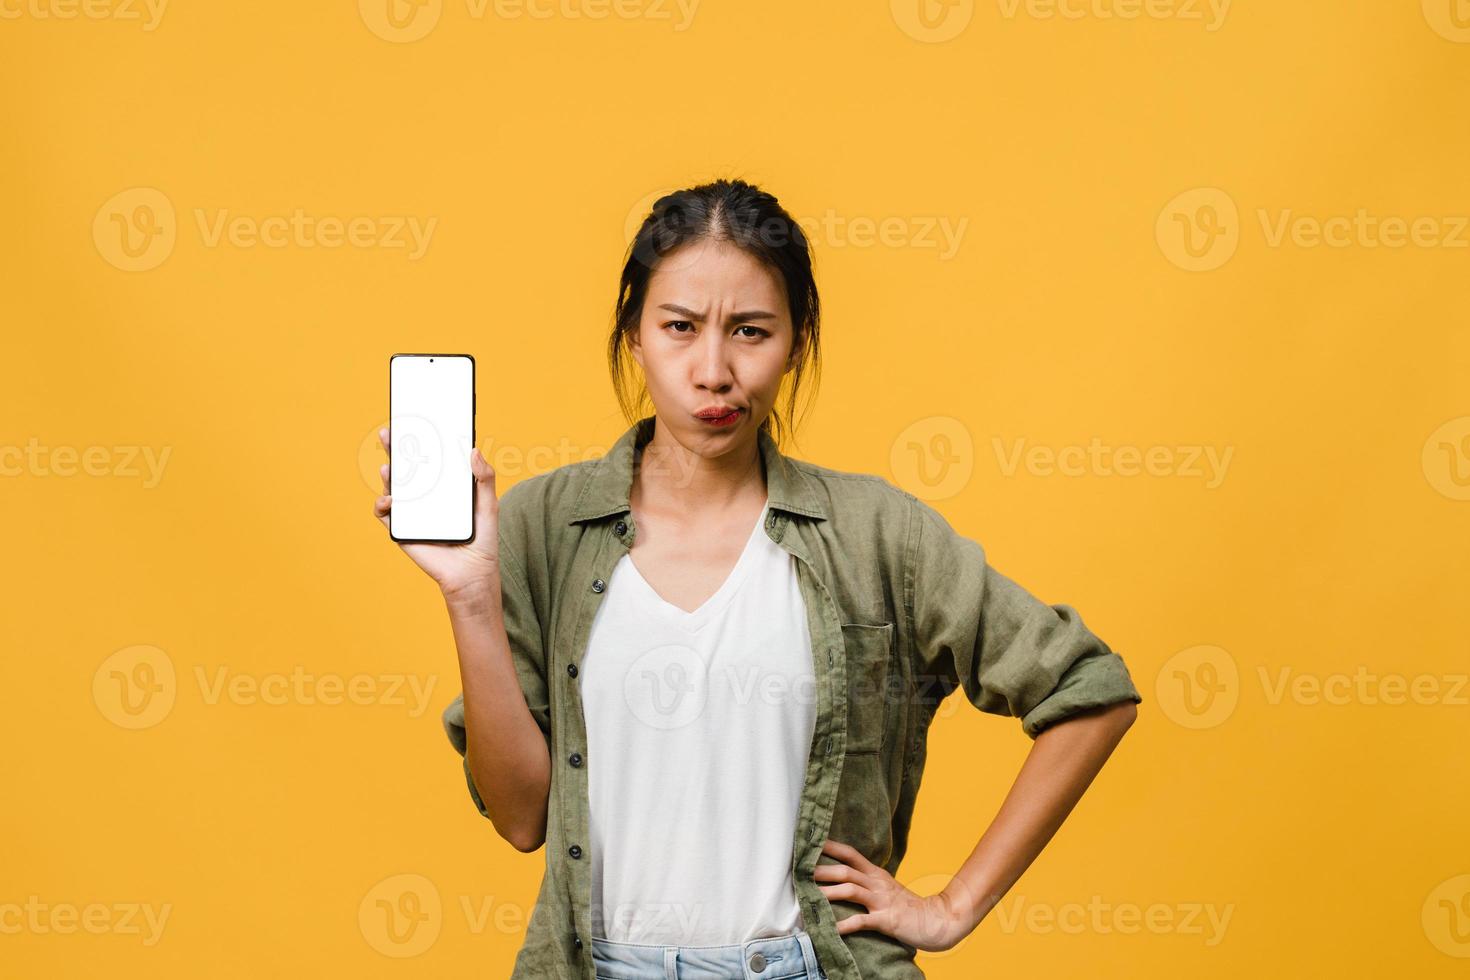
(575, 758)
(598, 585)
(757, 962)
(577, 941)
(574, 851)
(621, 527)
(572, 669)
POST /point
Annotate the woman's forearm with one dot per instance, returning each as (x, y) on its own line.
(505, 748)
(1062, 763)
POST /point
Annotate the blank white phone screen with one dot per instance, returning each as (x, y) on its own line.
(431, 426)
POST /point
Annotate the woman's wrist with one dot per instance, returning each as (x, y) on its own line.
(968, 907)
(480, 594)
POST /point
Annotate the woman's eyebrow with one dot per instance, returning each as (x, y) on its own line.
(699, 317)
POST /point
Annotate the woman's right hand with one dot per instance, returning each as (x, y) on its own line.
(457, 568)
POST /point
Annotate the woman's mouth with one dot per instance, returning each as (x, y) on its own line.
(719, 417)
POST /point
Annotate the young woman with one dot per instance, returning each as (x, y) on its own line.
(702, 672)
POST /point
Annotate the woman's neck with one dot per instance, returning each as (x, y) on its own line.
(670, 478)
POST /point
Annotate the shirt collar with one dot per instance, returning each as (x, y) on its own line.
(607, 489)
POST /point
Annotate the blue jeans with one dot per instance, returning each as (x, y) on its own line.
(775, 958)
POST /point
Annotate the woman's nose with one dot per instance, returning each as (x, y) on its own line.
(713, 368)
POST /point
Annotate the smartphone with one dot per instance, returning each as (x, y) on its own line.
(431, 429)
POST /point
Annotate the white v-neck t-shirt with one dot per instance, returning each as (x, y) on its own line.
(698, 729)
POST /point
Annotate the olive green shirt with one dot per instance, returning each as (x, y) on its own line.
(902, 610)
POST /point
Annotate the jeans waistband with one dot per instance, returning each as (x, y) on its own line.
(771, 958)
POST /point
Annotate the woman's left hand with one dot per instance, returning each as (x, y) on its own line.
(931, 923)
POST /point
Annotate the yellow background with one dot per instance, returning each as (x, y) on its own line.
(1338, 378)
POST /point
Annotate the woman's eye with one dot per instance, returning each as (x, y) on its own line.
(675, 323)
(758, 331)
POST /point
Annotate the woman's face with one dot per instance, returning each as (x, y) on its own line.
(715, 333)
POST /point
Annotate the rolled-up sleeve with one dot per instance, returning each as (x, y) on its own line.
(523, 630)
(1012, 653)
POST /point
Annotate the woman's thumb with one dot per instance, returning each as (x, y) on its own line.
(484, 476)
(486, 502)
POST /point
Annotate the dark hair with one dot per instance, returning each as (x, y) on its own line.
(749, 218)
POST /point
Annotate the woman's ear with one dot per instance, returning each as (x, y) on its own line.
(635, 346)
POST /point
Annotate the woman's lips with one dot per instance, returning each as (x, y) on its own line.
(720, 421)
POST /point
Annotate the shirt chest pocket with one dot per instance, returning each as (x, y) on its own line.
(868, 647)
